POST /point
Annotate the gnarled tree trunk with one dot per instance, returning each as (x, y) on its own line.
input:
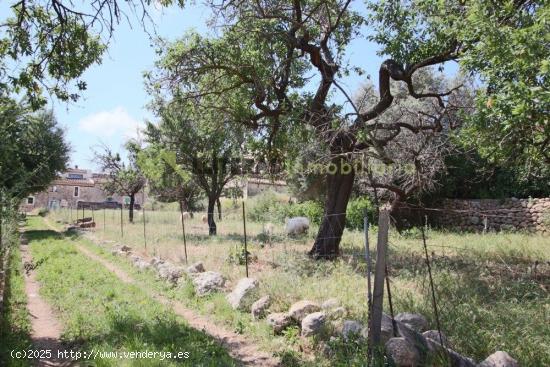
(219, 205)
(340, 177)
(131, 208)
(211, 222)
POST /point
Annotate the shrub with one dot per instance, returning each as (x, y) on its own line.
(355, 212)
(310, 209)
(265, 207)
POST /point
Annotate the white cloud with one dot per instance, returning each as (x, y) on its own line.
(116, 122)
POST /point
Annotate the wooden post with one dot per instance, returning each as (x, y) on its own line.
(485, 224)
(104, 222)
(245, 245)
(379, 275)
(183, 232)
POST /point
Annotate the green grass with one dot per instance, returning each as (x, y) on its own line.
(101, 313)
(15, 326)
(492, 289)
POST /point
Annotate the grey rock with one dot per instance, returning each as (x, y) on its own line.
(403, 353)
(330, 304)
(260, 307)
(352, 328)
(208, 282)
(434, 335)
(169, 272)
(336, 313)
(242, 297)
(499, 359)
(279, 321)
(313, 323)
(415, 321)
(301, 309)
(195, 268)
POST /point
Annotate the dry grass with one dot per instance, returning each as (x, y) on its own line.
(492, 289)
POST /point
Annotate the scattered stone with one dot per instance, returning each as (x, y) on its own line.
(279, 321)
(386, 329)
(329, 304)
(244, 294)
(415, 321)
(125, 248)
(260, 307)
(156, 262)
(208, 282)
(169, 272)
(185, 216)
(336, 313)
(301, 309)
(499, 359)
(142, 265)
(313, 323)
(353, 328)
(195, 268)
(403, 353)
(434, 335)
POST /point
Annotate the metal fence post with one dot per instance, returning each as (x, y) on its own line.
(183, 232)
(367, 258)
(245, 245)
(121, 221)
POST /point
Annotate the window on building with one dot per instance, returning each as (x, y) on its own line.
(30, 200)
(109, 199)
(76, 176)
(76, 191)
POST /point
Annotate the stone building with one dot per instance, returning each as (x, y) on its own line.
(74, 188)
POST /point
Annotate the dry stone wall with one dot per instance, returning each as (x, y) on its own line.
(493, 214)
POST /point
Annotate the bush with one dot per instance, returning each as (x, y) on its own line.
(265, 208)
(355, 212)
(309, 209)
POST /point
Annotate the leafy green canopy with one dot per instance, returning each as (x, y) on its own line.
(32, 149)
(506, 45)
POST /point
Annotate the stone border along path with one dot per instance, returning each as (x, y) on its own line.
(238, 346)
(46, 329)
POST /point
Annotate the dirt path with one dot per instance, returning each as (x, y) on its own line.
(237, 345)
(46, 329)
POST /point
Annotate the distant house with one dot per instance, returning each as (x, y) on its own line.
(73, 189)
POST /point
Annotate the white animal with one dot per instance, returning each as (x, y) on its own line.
(297, 225)
(185, 216)
(204, 219)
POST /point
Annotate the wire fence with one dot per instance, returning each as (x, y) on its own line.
(245, 246)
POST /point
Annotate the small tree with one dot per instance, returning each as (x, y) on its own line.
(166, 182)
(202, 143)
(123, 178)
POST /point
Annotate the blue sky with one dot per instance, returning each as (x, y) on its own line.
(112, 109)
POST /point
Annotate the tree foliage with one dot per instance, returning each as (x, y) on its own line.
(167, 183)
(33, 151)
(124, 178)
(199, 143)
